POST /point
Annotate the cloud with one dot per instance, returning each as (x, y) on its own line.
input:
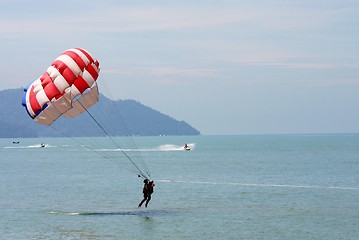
(161, 72)
(155, 18)
(274, 33)
(120, 19)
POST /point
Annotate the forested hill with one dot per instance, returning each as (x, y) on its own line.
(123, 117)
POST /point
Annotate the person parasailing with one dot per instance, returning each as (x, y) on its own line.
(69, 88)
(147, 191)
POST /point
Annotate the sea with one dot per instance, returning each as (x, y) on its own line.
(226, 187)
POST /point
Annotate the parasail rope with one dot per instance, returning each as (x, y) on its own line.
(143, 174)
(67, 135)
(127, 130)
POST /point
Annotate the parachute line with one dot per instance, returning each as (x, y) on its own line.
(145, 174)
(102, 154)
(124, 125)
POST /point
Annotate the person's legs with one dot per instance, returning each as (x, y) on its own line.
(148, 199)
(144, 199)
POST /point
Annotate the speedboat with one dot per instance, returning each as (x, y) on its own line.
(186, 147)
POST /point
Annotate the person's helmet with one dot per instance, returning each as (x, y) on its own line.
(145, 181)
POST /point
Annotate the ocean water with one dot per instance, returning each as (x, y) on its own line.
(226, 187)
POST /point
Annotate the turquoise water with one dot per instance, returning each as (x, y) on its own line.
(226, 187)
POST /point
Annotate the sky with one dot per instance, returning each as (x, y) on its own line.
(225, 67)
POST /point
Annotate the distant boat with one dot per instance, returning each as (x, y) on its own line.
(186, 147)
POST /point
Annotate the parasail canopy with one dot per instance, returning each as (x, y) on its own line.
(67, 88)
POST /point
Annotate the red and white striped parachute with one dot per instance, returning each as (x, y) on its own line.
(68, 87)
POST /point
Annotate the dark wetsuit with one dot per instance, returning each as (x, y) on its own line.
(147, 191)
(145, 195)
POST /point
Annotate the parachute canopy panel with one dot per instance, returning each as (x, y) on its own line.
(68, 86)
(84, 102)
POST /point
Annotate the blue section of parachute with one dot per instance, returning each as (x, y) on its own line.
(24, 100)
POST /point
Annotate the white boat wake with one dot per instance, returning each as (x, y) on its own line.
(161, 148)
(260, 185)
